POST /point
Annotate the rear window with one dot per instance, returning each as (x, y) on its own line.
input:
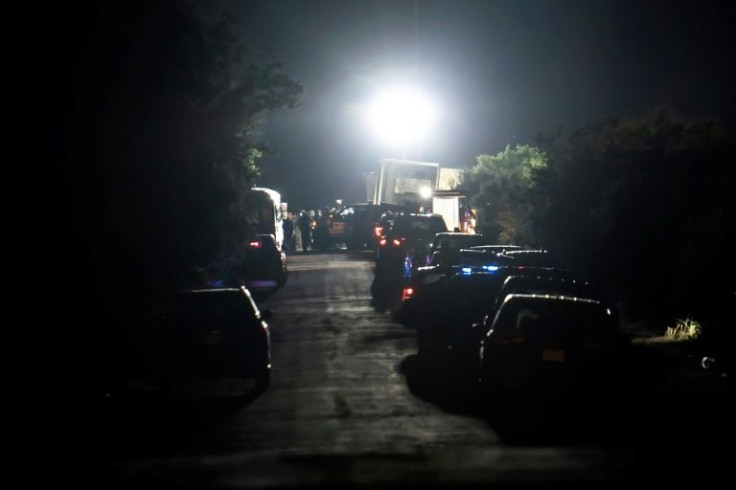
(571, 319)
(458, 241)
(532, 259)
(223, 310)
(418, 226)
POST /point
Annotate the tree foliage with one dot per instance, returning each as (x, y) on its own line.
(166, 139)
(504, 190)
(644, 205)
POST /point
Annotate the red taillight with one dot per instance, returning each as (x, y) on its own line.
(254, 244)
(407, 293)
(396, 242)
(378, 231)
(382, 242)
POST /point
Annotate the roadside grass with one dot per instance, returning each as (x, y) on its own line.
(685, 329)
(670, 363)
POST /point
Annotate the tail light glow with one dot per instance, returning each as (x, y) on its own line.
(254, 244)
(407, 293)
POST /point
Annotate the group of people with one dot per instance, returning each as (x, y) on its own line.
(307, 230)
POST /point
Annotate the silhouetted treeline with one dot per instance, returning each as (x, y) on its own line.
(645, 206)
(156, 118)
(164, 140)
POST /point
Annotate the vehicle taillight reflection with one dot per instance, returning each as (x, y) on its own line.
(407, 293)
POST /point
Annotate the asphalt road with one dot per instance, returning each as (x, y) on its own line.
(343, 409)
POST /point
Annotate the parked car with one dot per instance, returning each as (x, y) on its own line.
(546, 345)
(216, 333)
(446, 316)
(453, 240)
(540, 280)
(262, 268)
(409, 239)
(398, 254)
(354, 224)
(446, 265)
(531, 258)
(497, 248)
(380, 228)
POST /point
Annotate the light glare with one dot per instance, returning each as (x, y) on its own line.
(401, 116)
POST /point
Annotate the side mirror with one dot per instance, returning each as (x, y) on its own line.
(266, 314)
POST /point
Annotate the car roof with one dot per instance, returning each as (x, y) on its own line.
(559, 282)
(497, 247)
(210, 291)
(532, 274)
(550, 298)
(418, 216)
(527, 251)
(213, 292)
(458, 233)
(192, 296)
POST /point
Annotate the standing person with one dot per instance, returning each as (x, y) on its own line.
(322, 230)
(304, 224)
(297, 235)
(289, 233)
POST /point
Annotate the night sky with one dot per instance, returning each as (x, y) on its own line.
(500, 71)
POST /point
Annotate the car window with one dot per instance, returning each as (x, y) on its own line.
(220, 310)
(418, 226)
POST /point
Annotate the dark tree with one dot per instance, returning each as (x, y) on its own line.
(504, 191)
(645, 205)
(156, 142)
(165, 140)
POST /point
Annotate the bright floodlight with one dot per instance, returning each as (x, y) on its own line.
(425, 192)
(401, 116)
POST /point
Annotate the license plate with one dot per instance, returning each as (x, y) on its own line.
(553, 355)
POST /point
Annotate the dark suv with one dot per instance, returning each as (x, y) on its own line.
(354, 224)
(453, 241)
(216, 333)
(547, 344)
(262, 268)
(408, 240)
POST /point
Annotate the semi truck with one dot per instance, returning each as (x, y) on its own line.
(266, 212)
(422, 186)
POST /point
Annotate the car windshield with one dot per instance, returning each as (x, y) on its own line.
(417, 227)
(457, 241)
(210, 308)
(573, 320)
